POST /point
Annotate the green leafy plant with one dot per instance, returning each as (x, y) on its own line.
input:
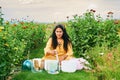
(16, 42)
(89, 31)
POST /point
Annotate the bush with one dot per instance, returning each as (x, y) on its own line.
(88, 31)
(16, 41)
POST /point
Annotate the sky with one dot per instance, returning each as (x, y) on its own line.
(56, 10)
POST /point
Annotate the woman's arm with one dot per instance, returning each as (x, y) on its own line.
(48, 49)
(70, 50)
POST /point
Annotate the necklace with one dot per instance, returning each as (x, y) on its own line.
(59, 42)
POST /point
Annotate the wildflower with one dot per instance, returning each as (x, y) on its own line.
(98, 21)
(87, 57)
(75, 15)
(5, 33)
(4, 38)
(6, 45)
(116, 22)
(110, 56)
(1, 27)
(24, 27)
(14, 24)
(110, 12)
(92, 10)
(7, 22)
(15, 48)
(54, 22)
(110, 15)
(67, 17)
(101, 54)
(22, 22)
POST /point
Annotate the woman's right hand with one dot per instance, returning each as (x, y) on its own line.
(53, 52)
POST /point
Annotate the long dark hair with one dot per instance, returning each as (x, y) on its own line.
(65, 37)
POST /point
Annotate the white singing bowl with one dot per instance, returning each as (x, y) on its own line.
(50, 64)
(69, 65)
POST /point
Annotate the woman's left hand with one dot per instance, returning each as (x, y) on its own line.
(62, 57)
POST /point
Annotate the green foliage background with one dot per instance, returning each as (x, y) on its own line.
(16, 42)
(87, 31)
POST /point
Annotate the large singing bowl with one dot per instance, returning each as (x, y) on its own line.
(27, 65)
(69, 65)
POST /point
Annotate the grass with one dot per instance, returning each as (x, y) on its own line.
(78, 75)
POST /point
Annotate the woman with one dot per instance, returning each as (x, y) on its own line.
(59, 43)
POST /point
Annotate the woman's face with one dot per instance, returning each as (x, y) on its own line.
(59, 33)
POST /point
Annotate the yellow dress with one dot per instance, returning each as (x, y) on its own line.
(59, 49)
